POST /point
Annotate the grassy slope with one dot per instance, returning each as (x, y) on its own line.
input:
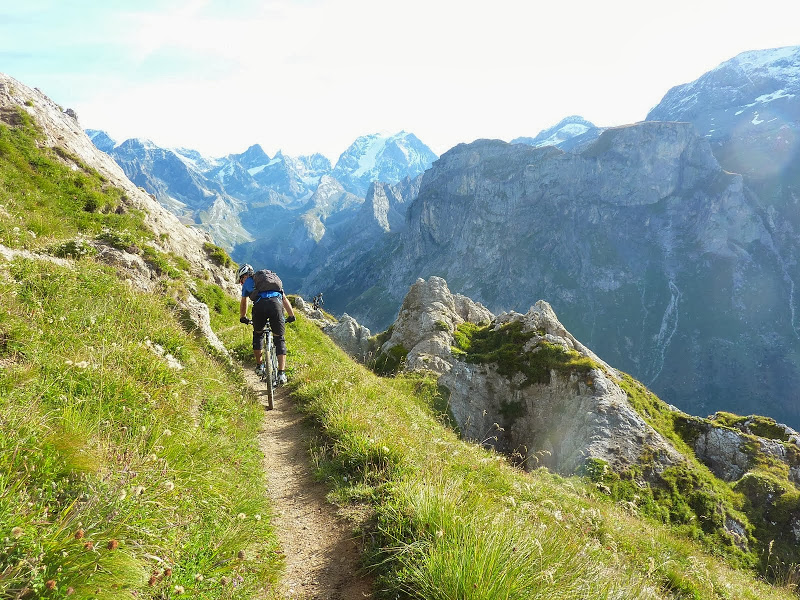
(454, 521)
(118, 473)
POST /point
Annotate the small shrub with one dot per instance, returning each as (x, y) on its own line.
(73, 249)
(389, 362)
(379, 339)
(119, 239)
(505, 348)
(160, 262)
(218, 255)
(442, 326)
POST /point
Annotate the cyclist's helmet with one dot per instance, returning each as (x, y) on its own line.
(245, 269)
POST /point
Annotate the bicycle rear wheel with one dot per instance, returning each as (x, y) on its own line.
(270, 373)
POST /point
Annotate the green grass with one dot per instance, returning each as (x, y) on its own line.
(122, 475)
(49, 197)
(219, 256)
(451, 520)
(129, 463)
(764, 501)
(102, 440)
(757, 425)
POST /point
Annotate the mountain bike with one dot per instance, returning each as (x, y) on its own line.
(269, 374)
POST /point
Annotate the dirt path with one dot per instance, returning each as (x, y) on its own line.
(321, 554)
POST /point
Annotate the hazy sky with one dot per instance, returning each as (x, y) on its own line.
(312, 75)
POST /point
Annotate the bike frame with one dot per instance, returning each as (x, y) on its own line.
(270, 374)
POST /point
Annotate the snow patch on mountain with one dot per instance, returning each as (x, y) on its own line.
(260, 168)
(369, 158)
(566, 134)
(380, 157)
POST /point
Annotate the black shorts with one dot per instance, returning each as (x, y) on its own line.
(269, 309)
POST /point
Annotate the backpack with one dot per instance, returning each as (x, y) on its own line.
(265, 281)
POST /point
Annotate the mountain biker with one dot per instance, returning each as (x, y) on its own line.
(268, 307)
(317, 302)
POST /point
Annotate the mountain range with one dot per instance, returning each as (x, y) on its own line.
(251, 197)
(670, 246)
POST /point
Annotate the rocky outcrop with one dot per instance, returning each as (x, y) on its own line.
(525, 386)
(428, 317)
(732, 446)
(350, 336)
(559, 422)
(574, 411)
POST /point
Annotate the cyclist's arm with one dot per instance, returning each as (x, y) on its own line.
(287, 305)
(243, 307)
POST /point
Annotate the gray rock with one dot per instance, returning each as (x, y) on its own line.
(350, 336)
(429, 315)
(721, 450)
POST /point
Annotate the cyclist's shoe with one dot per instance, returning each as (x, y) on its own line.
(282, 377)
(261, 369)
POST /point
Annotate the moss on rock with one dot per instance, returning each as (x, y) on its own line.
(505, 346)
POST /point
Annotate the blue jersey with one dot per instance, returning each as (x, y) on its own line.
(249, 285)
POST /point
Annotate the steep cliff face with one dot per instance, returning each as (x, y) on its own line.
(652, 253)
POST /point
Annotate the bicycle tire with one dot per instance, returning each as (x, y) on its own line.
(274, 359)
(269, 372)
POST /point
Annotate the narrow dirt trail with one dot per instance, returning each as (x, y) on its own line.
(321, 554)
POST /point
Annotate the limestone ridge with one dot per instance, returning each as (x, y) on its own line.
(250, 199)
(174, 178)
(62, 130)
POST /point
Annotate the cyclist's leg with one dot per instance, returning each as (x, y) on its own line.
(259, 321)
(278, 326)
